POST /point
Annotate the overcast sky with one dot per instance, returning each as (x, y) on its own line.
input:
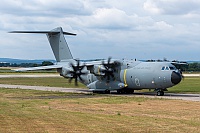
(142, 29)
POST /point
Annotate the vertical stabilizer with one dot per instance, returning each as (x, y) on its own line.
(57, 41)
(59, 45)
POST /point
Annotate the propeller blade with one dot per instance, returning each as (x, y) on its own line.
(70, 80)
(78, 63)
(113, 76)
(108, 77)
(109, 58)
(76, 82)
(80, 78)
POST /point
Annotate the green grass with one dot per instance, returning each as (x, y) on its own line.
(188, 85)
(42, 111)
(45, 81)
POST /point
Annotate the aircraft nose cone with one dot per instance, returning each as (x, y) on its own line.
(176, 77)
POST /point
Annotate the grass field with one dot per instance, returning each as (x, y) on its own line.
(49, 112)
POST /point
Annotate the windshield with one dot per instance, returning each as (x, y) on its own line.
(168, 68)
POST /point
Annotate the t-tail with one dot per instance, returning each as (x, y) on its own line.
(57, 41)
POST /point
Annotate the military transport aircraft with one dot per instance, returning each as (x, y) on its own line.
(124, 76)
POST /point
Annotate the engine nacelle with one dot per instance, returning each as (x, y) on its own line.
(66, 72)
(98, 70)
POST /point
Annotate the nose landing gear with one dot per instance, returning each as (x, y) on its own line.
(160, 92)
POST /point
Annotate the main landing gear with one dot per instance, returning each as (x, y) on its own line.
(102, 92)
(125, 91)
(120, 91)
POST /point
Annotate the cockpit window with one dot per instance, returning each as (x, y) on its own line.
(172, 68)
(168, 68)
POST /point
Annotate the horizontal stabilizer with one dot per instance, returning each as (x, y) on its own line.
(38, 68)
(44, 32)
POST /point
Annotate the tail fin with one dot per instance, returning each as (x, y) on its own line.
(57, 41)
(59, 45)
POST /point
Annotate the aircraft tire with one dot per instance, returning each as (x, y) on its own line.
(94, 91)
(160, 93)
(124, 91)
(98, 92)
(131, 91)
(119, 91)
(107, 91)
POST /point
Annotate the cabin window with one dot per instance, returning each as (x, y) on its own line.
(163, 68)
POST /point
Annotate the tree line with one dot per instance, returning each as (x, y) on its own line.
(44, 63)
(189, 67)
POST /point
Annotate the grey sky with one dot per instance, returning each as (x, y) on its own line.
(142, 29)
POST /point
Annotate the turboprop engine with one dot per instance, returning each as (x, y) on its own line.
(74, 71)
(99, 70)
(66, 72)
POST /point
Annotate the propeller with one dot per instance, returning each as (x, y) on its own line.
(76, 72)
(109, 70)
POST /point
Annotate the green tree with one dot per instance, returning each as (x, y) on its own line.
(194, 66)
(46, 63)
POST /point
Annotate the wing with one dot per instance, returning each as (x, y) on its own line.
(61, 65)
(88, 63)
(38, 68)
(91, 63)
